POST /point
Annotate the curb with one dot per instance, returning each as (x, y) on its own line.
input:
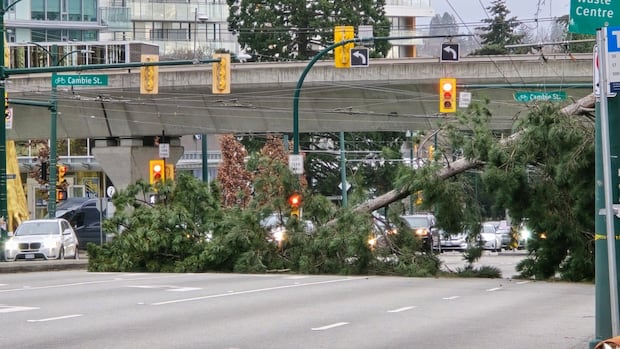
(34, 266)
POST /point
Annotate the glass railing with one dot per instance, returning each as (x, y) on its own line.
(423, 4)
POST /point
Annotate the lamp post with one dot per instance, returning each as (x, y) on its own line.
(53, 54)
(203, 137)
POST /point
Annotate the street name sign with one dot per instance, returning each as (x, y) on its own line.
(536, 96)
(80, 80)
(588, 15)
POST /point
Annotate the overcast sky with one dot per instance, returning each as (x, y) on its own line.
(469, 11)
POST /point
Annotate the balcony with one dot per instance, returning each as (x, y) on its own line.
(115, 18)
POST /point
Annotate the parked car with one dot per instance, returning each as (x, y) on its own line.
(456, 241)
(424, 227)
(489, 238)
(42, 238)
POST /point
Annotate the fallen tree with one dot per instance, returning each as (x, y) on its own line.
(584, 106)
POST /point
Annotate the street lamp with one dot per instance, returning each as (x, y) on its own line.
(53, 54)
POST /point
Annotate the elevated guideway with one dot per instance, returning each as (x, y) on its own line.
(389, 95)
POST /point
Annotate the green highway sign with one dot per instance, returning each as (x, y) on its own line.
(80, 80)
(588, 15)
(535, 96)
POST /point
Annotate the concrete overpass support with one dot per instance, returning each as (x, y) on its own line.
(126, 161)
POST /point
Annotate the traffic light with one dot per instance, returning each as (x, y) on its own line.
(62, 170)
(447, 95)
(156, 171)
(221, 74)
(149, 76)
(43, 171)
(170, 172)
(342, 54)
(295, 201)
(61, 195)
(6, 105)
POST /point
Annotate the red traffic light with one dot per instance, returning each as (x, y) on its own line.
(294, 200)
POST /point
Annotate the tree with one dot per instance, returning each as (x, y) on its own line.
(297, 29)
(232, 175)
(500, 31)
(580, 45)
(440, 25)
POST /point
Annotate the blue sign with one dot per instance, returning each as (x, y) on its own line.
(613, 39)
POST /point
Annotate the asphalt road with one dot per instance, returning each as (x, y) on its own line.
(78, 309)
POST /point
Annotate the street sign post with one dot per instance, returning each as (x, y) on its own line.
(449, 52)
(538, 96)
(587, 16)
(80, 80)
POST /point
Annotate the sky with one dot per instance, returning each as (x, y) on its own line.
(472, 11)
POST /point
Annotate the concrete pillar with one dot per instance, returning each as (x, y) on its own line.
(126, 161)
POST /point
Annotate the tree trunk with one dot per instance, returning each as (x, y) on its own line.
(583, 106)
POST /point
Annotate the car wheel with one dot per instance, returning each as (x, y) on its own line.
(61, 253)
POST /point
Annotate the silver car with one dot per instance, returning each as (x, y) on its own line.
(42, 238)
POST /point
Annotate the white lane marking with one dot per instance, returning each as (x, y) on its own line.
(11, 309)
(494, 289)
(56, 318)
(29, 288)
(400, 309)
(266, 289)
(327, 327)
(183, 289)
(523, 282)
(450, 298)
(166, 287)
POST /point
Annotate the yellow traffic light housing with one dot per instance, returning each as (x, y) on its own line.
(342, 54)
(447, 95)
(156, 171)
(149, 76)
(169, 172)
(61, 170)
(221, 74)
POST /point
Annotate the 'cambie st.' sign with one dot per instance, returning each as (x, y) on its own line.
(588, 15)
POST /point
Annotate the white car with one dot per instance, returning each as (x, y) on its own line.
(489, 239)
(42, 238)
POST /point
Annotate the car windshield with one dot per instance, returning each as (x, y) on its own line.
(37, 228)
(488, 228)
(416, 221)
